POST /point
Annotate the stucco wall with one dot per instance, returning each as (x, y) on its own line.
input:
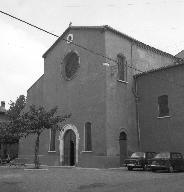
(94, 95)
(34, 97)
(84, 95)
(120, 100)
(3, 117)
(35, 93)
(162, 134)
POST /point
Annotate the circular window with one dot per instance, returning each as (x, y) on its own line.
(71, 64)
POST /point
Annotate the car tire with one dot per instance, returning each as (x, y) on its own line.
(153, 170)
(130, 168)
(171, 169)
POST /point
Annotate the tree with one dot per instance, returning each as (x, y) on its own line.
(36, 121)
(16, 107)
(10, 130)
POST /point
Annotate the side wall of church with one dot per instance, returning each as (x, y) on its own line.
(120, 100)
(163, 133)
(26, 145)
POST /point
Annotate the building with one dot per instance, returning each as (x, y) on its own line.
(161, 107)
(8, 147)
(180, 54)
(89, 72)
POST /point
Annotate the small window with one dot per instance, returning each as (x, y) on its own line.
(88, 141)
(122, 68)
(163, 105)
(123, 136)
(52, 140)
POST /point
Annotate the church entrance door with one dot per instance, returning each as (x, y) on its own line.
(69, 148)
(123, 147)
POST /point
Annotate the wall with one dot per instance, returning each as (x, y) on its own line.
(84, 95)
(162, 134)
(120, 100)
(94, 94)
(3, 117)
(35, 93)
(180, 54)
(34, 96)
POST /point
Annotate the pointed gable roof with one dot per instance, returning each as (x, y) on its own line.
(116, 32)
(180, 54)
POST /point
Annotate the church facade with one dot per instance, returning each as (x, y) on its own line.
(89, 72)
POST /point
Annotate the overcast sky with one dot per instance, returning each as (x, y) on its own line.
(158, 23)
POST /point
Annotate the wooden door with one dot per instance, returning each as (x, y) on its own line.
(69, 148)
(123, 147)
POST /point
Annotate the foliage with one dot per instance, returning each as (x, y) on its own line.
(34, 121)
(16, 108)
(11, 130)
(38, 119)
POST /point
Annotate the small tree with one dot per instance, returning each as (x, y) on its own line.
(36, 121)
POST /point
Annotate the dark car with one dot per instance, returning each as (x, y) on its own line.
(169, 161)
(138, 160)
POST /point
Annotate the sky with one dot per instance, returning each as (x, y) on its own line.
(158, 23)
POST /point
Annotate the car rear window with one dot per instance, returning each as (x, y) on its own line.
(176, 156)
(138, 154)
(163, 155)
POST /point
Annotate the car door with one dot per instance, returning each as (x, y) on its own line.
(180, 161)
(177, 161)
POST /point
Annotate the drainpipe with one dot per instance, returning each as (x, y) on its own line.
(137, 116)
(134, 90)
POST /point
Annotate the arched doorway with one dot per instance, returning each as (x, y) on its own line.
(69, 148)
(123, 146)
(69, 145)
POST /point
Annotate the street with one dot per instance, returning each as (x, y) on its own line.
(86, 180)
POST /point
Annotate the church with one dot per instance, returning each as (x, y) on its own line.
(90, 72)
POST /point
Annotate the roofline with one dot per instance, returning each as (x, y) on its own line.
(139, 43)
(53, 45)
(180, 63)
(179, 52)
(66, 31)
(106, 27)
(35, 82)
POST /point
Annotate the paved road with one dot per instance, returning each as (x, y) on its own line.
(87, 180)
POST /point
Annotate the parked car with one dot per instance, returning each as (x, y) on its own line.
(169, 161)
(138, 160)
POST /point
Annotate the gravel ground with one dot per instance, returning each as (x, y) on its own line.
(86, 180)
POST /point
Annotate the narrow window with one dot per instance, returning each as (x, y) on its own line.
(88, 142)
(52, 139)
(163, 105)
(122, 68)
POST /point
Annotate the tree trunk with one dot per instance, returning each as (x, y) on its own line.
(36, 159)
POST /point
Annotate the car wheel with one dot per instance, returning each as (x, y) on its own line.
(171, 169)
(130, 168)
(153, 170)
